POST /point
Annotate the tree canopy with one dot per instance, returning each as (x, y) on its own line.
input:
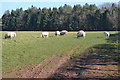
(86, 17)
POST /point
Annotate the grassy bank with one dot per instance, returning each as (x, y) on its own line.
(27, 48)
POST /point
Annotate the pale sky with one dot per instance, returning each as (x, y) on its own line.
(59, 0)
(25, 4)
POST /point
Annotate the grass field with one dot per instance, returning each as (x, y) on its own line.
(28, 48)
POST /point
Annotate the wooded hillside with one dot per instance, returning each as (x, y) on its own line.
(86, 17)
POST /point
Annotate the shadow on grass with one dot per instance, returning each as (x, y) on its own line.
(114, 38)
(101, 61)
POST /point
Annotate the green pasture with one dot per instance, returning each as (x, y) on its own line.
(28, 48)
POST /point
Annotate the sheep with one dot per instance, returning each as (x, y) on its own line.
(63, 32)
(57, 33)
(107, 34)
(10, 35)
(81, 33)
(44, 34)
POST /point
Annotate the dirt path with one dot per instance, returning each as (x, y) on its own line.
(86, 66)
(42, 70)
(89, 66)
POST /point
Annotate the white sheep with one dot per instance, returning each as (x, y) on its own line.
(10, 35)
(81, 33)
(57, 33)
(63, 32)
(44, 34)
(107, 34)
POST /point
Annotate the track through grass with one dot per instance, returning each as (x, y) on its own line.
(27, 48)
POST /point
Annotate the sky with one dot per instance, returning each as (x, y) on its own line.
(25, 4)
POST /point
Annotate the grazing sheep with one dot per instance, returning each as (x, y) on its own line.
(63, 32)
(44, 34)
(57, 33)
(81, 33)
(107, 34)
(10, 35)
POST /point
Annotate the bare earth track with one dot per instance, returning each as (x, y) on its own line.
(42, 70)
(86, 66)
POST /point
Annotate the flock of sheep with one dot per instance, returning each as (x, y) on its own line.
(57, 33)
(80, 33)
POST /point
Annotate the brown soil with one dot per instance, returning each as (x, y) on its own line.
(42, 70)
(88, 66)
(61, 66)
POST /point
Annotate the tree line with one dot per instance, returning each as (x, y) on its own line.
(86, 17)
